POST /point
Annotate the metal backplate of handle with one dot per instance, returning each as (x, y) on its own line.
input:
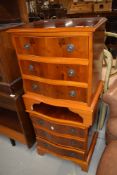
(70, 47)
(27, 46)
(72, 93)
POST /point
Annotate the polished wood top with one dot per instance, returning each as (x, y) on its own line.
(73, 24)
(6, 26)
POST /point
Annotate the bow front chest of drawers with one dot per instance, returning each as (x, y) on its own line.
(60, 62)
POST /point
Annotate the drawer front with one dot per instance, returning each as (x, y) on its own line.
(59, 150)
(58, 128)
(56, 91)
(77, 144)
(74, 46)
(55, 71)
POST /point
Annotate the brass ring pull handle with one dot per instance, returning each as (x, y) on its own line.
(73, 142)
(35, 86)
(72, 93)
(71, 72)
(72, 154)
(70, 47)
(52, 128)
(31, 67)
(72, 130)
(27, 46)
(41, 122)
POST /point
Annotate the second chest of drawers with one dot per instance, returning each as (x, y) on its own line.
(60, 132)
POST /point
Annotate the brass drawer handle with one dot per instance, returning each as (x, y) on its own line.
(27, 46)
(35, 87)
(52, 128)
(72, 93)
(73, 131)
(70, 47)
(72, 154)
(71, 72)
(73, 142)
(31, 67)
(46, 145)
(48, 136)
(41, 122)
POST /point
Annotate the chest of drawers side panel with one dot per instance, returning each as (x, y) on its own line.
(8, 62)
(96, 46)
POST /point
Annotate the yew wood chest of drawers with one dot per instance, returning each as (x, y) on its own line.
(61, 62)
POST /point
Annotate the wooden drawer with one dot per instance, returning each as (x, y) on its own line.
(67, 142)
(81, 7)
(56, 91)
(68, 72)
(62, 151)
(70, 47)
(103, 6)
(59, 128)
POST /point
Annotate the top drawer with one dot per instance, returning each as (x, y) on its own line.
(71, 47)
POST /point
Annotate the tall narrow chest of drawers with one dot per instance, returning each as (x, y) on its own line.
(60, 62)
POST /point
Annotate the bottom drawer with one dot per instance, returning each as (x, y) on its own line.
(60, 151)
